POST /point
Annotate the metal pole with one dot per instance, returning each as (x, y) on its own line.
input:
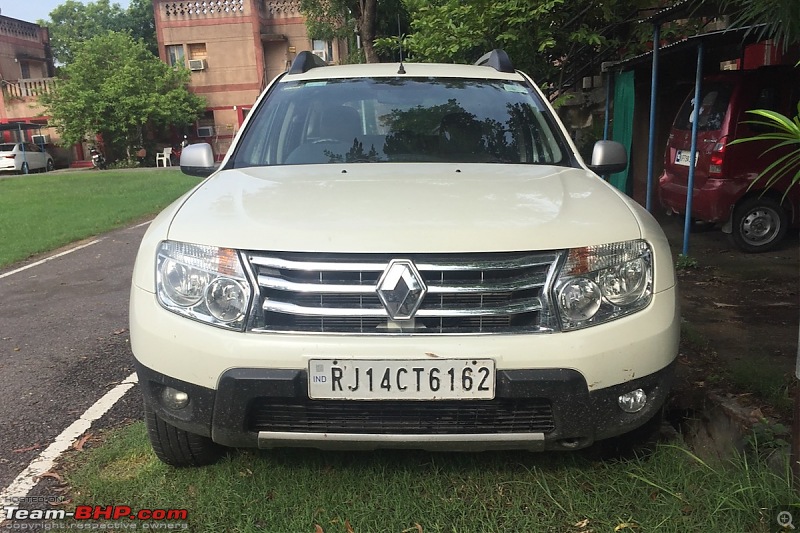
(698, 82)
(651, 145)
(607, 121)
(794, 452)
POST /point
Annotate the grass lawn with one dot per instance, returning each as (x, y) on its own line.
(41, 212)
(296, 491)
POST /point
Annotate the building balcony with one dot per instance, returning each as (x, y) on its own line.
(27, 88)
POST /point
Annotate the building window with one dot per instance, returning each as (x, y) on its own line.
(175, 55)
(323, 49)
(205, 124)
(25, 68)
(198, 51)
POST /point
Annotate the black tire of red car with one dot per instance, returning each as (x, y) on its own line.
(50, 166)
(177, 447)
(759, 224)
(24, 168)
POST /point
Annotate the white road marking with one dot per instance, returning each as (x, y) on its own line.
(46, 259)
(65, 252)
(28, 478)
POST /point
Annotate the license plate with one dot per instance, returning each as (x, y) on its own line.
(682, 157)
(417, 379)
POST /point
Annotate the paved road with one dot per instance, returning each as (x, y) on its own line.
(63, 344)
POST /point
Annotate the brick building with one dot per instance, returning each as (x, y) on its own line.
(233, 48)
(26, 70)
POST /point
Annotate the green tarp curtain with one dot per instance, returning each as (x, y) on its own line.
(623, 124)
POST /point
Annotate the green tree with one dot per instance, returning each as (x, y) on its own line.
(541, 36)
(140, 22)
(73, 22)
(781, 18)
(338, 19)
(115, 88)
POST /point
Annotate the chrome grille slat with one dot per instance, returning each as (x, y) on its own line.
(531, 260)
(281, 307)
(466, 293)
(442, 288)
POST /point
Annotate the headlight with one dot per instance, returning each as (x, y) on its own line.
(203, 282)
(605, 282)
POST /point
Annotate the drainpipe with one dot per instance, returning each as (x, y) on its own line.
(698, 82)
(651, 145)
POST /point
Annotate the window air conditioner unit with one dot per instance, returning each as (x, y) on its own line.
(40, 139)
(197, 64)
(322, 54)
(205, 131)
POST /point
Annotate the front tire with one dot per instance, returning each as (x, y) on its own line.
(50, 166)
(759, 224)
(177, 447)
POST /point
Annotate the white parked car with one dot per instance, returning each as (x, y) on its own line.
(24, 157)
(401, 256)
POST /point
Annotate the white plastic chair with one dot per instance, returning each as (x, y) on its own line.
(164, 157)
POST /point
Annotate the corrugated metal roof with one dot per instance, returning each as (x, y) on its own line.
(742, 36)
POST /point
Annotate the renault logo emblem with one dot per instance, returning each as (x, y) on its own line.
(401, 289)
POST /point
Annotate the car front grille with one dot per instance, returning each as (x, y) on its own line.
(393, 417)
(466, 293)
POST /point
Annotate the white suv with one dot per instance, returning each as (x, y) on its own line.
(401, 256)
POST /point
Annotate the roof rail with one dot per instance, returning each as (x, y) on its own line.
(497, 59)
(305, 61)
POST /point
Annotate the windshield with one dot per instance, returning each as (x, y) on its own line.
(714, 105)
(400, 120)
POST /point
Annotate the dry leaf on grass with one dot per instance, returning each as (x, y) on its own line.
(52, 475)
(348, 527)
(417, 528)
(582, 523)
(81, 442)
(318, 529)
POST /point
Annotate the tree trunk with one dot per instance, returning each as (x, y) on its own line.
(366, 27)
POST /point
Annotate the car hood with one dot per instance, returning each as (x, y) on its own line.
(392, 208)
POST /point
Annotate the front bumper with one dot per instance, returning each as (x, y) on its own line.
(535, 409)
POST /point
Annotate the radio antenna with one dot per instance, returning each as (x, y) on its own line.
(402, 69)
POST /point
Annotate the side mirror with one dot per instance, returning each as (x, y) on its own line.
(198, 160)
(608, 157)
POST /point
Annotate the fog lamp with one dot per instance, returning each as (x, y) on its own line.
(633, 402)
(173, 398)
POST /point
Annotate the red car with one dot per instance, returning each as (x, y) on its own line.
(755, 217)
